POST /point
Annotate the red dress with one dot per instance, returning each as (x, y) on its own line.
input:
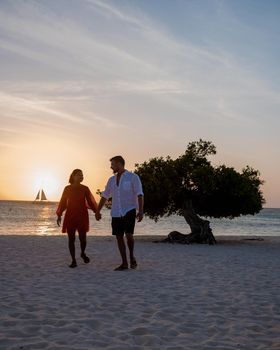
(76, 199)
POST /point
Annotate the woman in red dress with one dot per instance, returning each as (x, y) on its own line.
(76, 199)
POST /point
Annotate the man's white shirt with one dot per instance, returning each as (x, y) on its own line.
(125, 195)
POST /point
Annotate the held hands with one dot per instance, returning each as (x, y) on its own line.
(139, 216)
(58, 220)
(98, 216)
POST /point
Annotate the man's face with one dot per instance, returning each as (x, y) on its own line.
(115, 166)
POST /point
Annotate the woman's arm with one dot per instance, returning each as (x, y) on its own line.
(91, 202)
(61, 206)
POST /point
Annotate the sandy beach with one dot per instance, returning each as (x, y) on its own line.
(180, 297)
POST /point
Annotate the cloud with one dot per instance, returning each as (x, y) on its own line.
(127, 54)
(70, 70)
(42, 110)
(156, 33)
(39, 34)
(24, 106)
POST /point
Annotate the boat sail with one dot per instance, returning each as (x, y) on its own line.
(40, 196)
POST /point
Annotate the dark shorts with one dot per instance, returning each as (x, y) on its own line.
(124, 224)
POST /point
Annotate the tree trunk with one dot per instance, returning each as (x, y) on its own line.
(200, 229)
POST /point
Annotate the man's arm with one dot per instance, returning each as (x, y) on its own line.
(138, 190)
(140, 213)
(99, 207)
(105, 195)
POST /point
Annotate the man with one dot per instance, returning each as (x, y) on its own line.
(125, 189)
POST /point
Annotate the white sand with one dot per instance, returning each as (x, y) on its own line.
(181, 297)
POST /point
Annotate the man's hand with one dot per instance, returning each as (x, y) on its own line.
(98, 216)
(58, 220)
(139, 216)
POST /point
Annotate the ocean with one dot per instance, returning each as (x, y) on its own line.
(28, 218)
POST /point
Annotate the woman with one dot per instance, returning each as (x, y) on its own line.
(76, 199)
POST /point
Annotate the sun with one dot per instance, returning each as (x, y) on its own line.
(48, 182)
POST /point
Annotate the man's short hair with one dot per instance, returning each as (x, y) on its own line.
(118, 159)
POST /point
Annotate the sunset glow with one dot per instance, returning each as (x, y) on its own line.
(49, 183)
(84, 81)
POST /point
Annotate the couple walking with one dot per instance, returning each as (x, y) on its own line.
(124, 188)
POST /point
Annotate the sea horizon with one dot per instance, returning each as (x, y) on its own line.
(25, 217)
(57, 201)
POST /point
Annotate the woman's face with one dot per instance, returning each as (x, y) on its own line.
(78, 177)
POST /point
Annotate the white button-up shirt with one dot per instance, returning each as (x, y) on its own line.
(125, 195)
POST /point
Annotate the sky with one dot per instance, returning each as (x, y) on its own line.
(84, 80)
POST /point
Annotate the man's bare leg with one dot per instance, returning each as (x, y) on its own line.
(130, 244)
(122, 249)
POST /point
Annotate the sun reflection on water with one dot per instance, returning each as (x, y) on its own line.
(45, 221)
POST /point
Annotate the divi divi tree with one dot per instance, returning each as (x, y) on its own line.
(190, 186)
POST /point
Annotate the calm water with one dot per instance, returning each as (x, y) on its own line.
(27, 218)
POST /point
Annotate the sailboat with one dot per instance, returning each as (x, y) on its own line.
(40, 196)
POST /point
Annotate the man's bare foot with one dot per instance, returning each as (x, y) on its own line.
(121, 267)
(133, 264)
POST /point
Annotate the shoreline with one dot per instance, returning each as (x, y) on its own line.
(221, 239)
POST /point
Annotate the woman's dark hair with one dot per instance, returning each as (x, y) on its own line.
(118, 159)
(74, 172)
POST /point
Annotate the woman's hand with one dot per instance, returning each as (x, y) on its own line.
(58, 220)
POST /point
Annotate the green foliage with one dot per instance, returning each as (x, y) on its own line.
(214, 191)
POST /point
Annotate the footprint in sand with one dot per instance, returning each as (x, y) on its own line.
(140, 331)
